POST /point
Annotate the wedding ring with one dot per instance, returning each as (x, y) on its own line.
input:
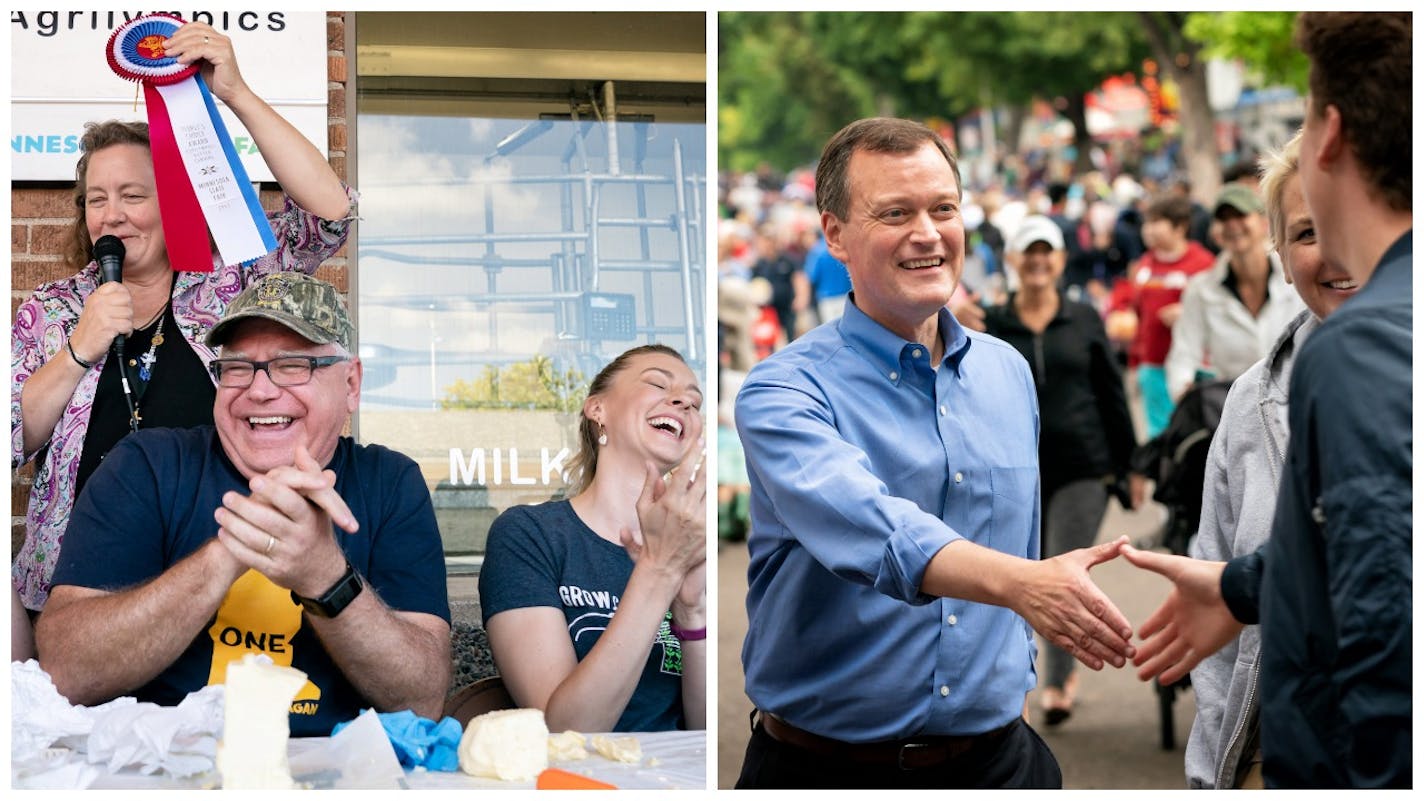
(271, 540)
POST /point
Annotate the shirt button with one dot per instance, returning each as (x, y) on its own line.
(959, 478)
(952, 620)
(943, 690)
(894, 375)
(915, 353)
(943, 411)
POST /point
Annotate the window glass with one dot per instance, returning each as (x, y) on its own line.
(502, 263)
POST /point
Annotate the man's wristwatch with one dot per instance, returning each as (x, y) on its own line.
(333, 601)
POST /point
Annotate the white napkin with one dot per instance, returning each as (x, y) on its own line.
(359, 756)
(179, 740)
(39, 715)
(50, 739)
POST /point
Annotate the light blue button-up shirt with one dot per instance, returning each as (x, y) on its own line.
(865, 461)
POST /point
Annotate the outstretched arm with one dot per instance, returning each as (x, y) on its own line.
(1192, 624)
(1055, 596)
(296, 163)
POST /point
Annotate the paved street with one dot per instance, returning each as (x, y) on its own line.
(1112, 741)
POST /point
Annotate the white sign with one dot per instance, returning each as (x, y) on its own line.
(60, 79)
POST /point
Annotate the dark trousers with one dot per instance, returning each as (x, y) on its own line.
(1019, 760)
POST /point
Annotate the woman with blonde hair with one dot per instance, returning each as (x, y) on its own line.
(596, 605)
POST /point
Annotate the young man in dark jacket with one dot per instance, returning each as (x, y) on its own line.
(1332, 589)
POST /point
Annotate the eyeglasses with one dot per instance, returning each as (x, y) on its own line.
(284, 371)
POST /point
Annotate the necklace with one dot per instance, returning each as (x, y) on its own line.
(150, 358)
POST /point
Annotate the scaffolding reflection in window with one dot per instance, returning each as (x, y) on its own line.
(502, 263)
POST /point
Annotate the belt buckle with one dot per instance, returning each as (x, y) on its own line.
(900, 756)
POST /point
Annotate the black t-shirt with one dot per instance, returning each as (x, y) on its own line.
(178, 394)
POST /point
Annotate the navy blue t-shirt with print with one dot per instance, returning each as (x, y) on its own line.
(545, 555)
(150, 504)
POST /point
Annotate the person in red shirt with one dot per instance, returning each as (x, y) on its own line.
(1152, 293)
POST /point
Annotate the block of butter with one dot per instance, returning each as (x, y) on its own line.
(511, 745)
(257, 699)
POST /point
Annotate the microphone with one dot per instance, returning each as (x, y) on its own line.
(109, 252)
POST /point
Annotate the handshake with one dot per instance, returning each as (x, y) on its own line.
(1063, 605)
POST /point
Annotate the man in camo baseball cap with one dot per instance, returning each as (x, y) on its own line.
(309, 306)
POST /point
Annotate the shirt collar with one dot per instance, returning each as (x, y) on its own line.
(1228, 281)
(1404, 244)
(884, 349)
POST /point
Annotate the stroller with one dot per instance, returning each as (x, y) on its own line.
(1176, 460)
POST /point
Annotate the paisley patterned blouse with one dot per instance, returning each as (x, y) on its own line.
(42, 327)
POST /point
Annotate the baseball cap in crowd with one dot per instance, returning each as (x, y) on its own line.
(1036, 228)
(309, 306)
(1239, 197)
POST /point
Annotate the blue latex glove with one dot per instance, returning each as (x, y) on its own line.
(421, 742)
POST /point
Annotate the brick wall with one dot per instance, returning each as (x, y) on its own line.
(41, 215)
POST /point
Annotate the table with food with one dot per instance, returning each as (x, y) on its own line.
(236, 736)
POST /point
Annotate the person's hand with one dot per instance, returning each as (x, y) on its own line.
(284, 528)
(1169, 314)
(968, 312)
(1062, 604)
(108, 312)
(197, 40)
(1137, 489)
(672, 518)
(1192, 624)
(1121, 326)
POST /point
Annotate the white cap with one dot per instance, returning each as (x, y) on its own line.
(1036, 228)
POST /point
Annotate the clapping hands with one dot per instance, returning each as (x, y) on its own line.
(672, 518)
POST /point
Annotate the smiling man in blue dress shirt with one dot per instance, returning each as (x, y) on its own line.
(894, 581)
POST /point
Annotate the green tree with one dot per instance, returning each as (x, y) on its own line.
(1010, 58)
(566, 387)
(1262, 40)
(787, 81)
(1181, 58)
(780, 95)
(532, 384)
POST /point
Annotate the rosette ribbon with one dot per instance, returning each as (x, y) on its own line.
(202, 186)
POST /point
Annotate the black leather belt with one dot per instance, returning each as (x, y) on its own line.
(908, 754)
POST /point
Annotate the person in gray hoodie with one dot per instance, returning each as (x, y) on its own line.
(1242, 478)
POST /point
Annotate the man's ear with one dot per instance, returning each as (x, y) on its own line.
(833, 227)
(1332, 139)
(353, 385)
